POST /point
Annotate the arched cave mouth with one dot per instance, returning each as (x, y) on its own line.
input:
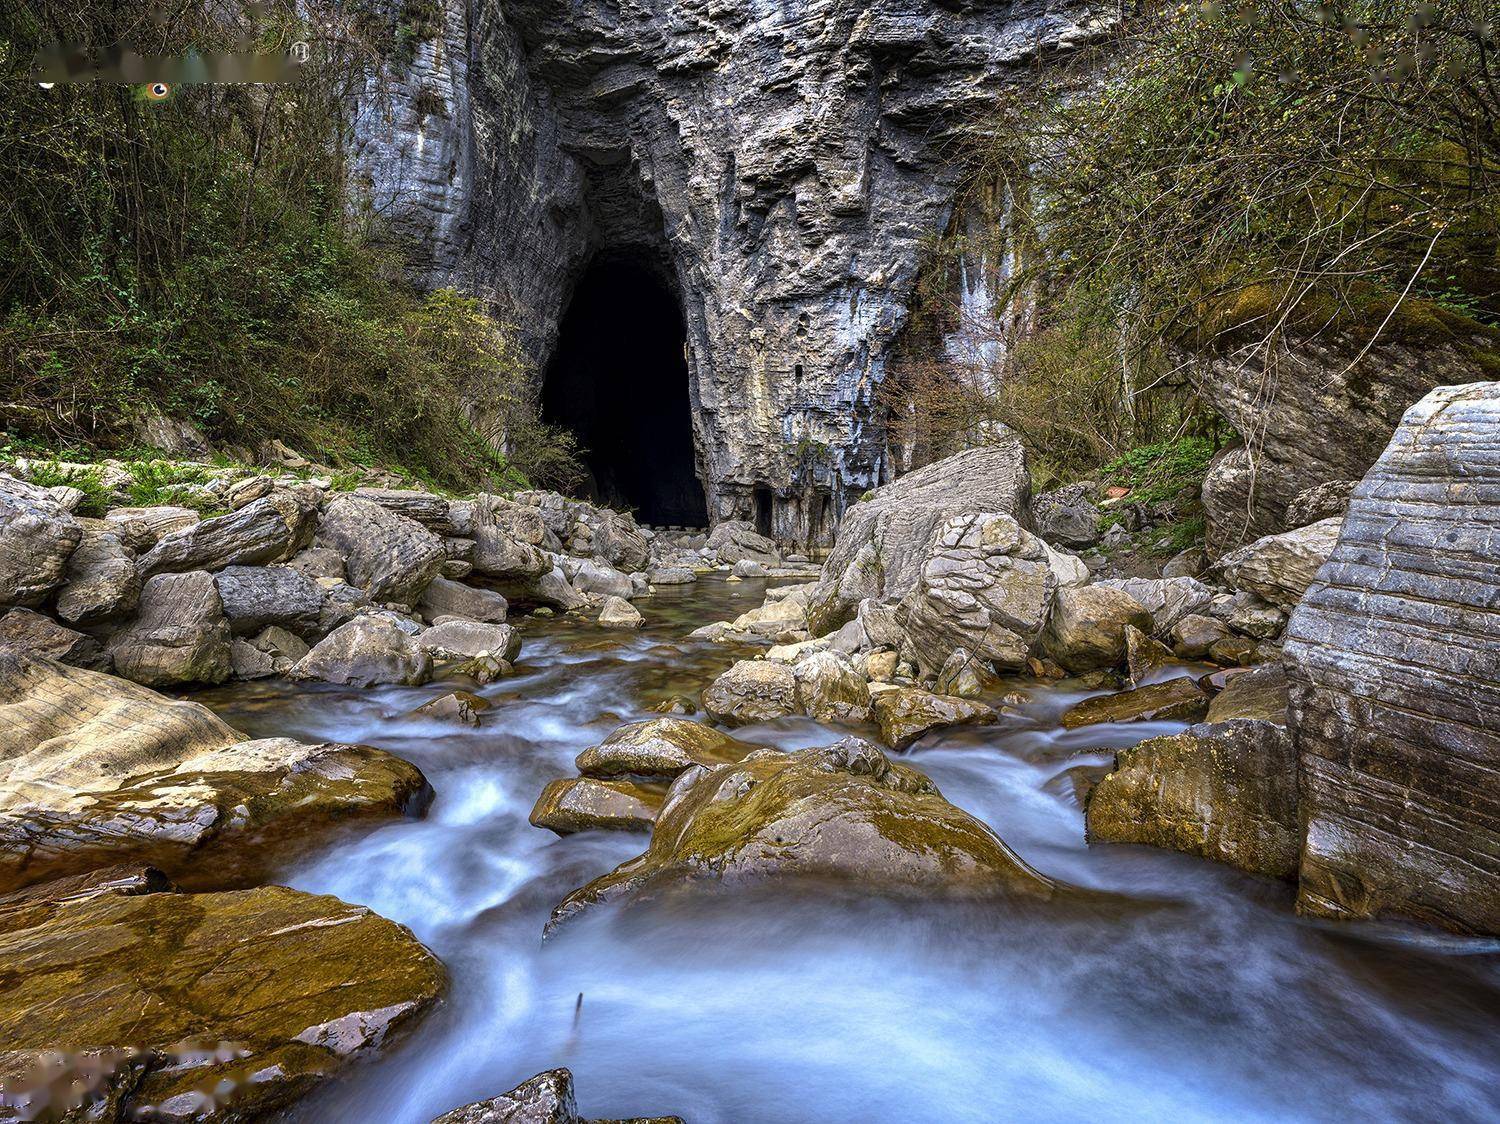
(619, 380)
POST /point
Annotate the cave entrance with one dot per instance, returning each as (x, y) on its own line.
(619, 380)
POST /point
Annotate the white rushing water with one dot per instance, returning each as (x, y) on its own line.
(1193, 994)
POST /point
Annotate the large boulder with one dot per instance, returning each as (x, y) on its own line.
(38, 635)
(366, 652)
(433, 511)
(751, 691)
(1395, 680)
(37, 537)
(660, 749)
(599, 579)
(1087, 626)
(1279, 568)
(257, 597)
(102, 579)
(985, 584)
(391, 558)
(94, 770)
(546, 1098)
(839, 814)
(616, 612)
(1225, 791)
(141, 528)
(906, 714)
(1319, 409)
(179, 635)
(269, 529)
(883, 540)
(735, 540)
(444, 598)
(129, 1002)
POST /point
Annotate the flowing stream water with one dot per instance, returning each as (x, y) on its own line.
(1195, 994)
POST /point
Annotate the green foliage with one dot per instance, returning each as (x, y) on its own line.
(89, 481)
(157, 482)
(197, 257)
(1164, 471)
(1312, 157)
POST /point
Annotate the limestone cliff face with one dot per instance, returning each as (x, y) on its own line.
(781, 163)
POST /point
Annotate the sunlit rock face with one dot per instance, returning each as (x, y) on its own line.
(779, 163)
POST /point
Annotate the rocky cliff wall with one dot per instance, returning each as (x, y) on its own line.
(782, 165)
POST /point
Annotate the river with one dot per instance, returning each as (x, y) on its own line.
(1195, 995)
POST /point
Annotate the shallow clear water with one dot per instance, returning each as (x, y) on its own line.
(1190, 993)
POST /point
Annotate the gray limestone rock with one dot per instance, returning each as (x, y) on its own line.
(366, 652)
(1280, 567)
(179, 635)
(37, 635)
(1067, 516)
(102, 579)
(444, 598)
(269, 529)
(1395, 680)
(37, 537)
(256, 597)
(392, 558)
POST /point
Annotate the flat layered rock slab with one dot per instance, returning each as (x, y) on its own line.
(906, 714)
(211, 1007)
(1176, 700)
(95, 770)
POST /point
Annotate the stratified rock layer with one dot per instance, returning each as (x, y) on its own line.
(125, 1003)
(1395, 680)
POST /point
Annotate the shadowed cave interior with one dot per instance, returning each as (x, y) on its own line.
(619, 381)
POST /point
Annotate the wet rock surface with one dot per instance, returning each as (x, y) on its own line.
(843, 813)
(1395, 680)
(125, 1001)
(589, 804)
(546, 1098)
(94, 769)
(660, 749)
(906, 714)
(1179, 700)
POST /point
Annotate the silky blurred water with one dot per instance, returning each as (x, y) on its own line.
(1190, 993)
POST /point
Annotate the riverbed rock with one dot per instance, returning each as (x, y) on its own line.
(256, 597)
(445, 598)
(130, 1003)
(734, 540)
(751, 691)
(366, 652)
(1395, 680)
(907, 714)
(599, 579)
(1086, 628)
(1259, 693)
(269, 529)
(319, 562)
(1195, 634)
(462, 707)
(102, 581)
(984, 585)
(37, 537)
(1168, 600)
(427, 508)
(670, 575)
(40, 635)
(589, 804)
(94, 769)
(1143, 655)
(1225, 791)
(179, 636)
(546, 1098)
(883, 541)
(660, 749)
(467, 640)
(388, 556)
(1280, 567)
(1067, 516)
(1176, 700)
(841, 814)
(619, 613)
(830, 690)
(141, 528)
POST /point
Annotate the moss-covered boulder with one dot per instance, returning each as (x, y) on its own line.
(589, 804)
(95, 770)
(751, 691)
(1226, 791)
(122, 1001)
(1176, 700)
(908, 713)
(660, 749)
(842, 814)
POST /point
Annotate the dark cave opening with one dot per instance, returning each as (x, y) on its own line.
(619, 381)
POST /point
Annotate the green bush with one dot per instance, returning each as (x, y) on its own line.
(89, 481)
